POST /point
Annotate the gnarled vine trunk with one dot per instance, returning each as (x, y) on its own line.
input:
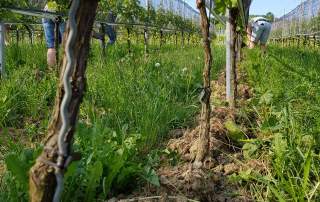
(42, 181)
(203, 141)
(128, 39)
(234, 12)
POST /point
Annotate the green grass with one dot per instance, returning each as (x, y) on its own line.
(287, 98)
(129, 107)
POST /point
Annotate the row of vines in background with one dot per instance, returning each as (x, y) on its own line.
(127, 11)
(299, 40)
(42, 178)
(297, 32)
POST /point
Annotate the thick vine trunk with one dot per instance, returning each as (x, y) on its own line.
(102, 31)
(176, 38)
(137, 37)
(30, 32)
(42, 181)
(128, 40)
(234, 12)
(182, 38)
(18, 36)
(161, 38)
(203, 142)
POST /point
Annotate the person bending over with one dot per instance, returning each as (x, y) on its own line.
(258, 30)
(49, 27)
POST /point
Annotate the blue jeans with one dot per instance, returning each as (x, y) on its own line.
(109, 31)
(48, 26)
(111, 34)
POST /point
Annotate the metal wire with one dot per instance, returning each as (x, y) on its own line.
(109, 23)
(35, 13)
(62, 144)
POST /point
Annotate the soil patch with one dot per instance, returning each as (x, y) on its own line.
(225, 158)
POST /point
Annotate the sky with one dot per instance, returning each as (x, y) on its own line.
(261, 7)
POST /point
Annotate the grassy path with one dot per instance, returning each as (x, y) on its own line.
(130, 105)
(287, 98)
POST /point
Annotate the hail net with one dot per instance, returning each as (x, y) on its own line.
(304, 19)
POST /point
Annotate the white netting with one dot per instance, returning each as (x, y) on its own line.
(299, 20)
(178, 7)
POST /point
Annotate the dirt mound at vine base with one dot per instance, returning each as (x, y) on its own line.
(211, 182)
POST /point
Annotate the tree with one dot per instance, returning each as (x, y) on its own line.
(42, 181)
(270, 16)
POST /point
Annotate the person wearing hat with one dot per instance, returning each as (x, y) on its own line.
(258, 31)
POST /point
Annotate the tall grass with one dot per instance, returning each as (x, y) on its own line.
(131, 103)
(287, 102)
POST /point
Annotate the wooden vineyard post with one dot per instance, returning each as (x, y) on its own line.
(176, 38)
(182, 38)
(203, 141)
(2, 49)
(30, 33)
(289, 41)
(22, 36)
(18, 36)
(161, 38)
(305, 41)
(42, 181)
(102, 31)
(128, 40)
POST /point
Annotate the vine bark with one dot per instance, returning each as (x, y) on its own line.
(203, 141)
(42, 180)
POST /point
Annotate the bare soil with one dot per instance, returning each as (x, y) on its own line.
(184, 182)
